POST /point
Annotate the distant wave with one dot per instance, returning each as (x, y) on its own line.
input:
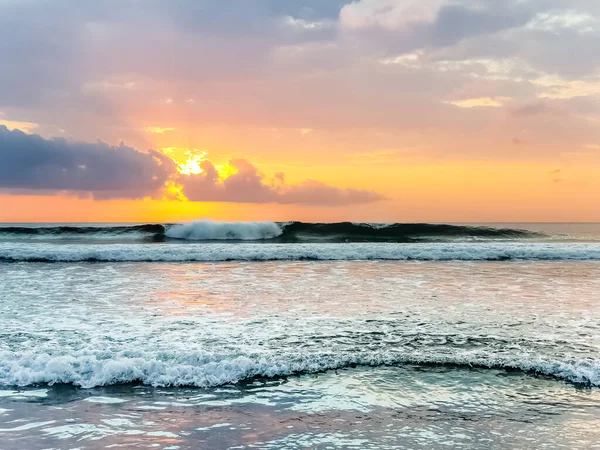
(289, 232)
(396, 232)
(91, 369)
(482, 251)
(153, 232)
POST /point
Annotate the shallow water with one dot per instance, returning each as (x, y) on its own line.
(384, 407)
(337, 354)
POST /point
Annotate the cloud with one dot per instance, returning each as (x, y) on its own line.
(558, 88)
(159, 130)
(479, 102)
(388, 14)
(551, 36)
(28, 161)
(581, 22)
(535, 109)
(342, 67)
(432, 23)
(455, 22)
(248, 185)
(12, 124)
(201, 37)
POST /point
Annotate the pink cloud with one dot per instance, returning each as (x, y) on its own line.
(248, 185)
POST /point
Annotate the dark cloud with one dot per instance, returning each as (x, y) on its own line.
(32, 162)
(250, 186)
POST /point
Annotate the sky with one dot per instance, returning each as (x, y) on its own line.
(314, 110)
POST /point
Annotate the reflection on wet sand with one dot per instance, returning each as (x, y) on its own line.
(353, 408)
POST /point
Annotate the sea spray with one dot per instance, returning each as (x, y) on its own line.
(207, 230)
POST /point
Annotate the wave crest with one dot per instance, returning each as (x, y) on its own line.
(88, 370)
(207, 230)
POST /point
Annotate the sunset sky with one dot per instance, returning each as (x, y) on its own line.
(314, 110)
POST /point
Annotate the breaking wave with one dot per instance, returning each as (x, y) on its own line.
(91, 369)
(206, 230)
(289, 232)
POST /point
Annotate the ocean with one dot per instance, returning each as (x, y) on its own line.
(292, 335)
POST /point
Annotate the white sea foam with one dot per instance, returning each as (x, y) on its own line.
(206, 230)
(208, 324)
(10, 251)
(91, 369)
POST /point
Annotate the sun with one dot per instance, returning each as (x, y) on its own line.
(191, 166)
(188, 160)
